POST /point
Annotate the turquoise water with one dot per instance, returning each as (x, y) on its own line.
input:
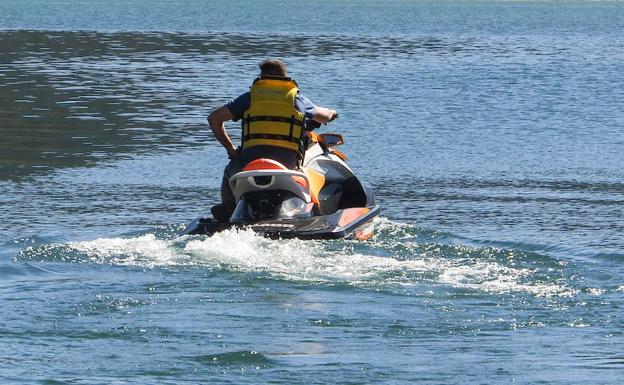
(492, 133)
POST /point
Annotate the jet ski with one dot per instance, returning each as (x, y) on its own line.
(323, 199)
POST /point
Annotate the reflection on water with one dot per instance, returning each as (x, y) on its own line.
(69, 99)
(72, 98)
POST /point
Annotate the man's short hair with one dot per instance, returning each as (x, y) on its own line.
(272, 67)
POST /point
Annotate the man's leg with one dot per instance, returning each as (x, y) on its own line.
(223, 211)
(226, 192)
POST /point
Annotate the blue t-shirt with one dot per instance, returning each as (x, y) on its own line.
(241, 104)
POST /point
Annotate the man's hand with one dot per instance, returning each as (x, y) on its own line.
(324, 115)
(232, 153)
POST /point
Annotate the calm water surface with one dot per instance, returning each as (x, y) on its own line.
(492, 132)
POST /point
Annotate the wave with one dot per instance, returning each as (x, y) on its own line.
(401, 258)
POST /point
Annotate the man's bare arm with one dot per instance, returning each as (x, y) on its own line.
(216, 120)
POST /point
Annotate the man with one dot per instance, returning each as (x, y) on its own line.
(273, 118)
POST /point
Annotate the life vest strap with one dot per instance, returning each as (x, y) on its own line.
(268, 118)
(287, 138)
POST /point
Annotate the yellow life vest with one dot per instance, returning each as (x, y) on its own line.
(272, 118)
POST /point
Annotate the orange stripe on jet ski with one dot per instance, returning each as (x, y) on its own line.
(313, 136)
(317, 180)
(264, 164)
(351, 214)
(339, 154)
(301, 181)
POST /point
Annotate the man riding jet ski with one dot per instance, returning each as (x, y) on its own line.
(285, 180)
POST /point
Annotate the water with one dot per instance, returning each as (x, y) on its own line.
(492, 133)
